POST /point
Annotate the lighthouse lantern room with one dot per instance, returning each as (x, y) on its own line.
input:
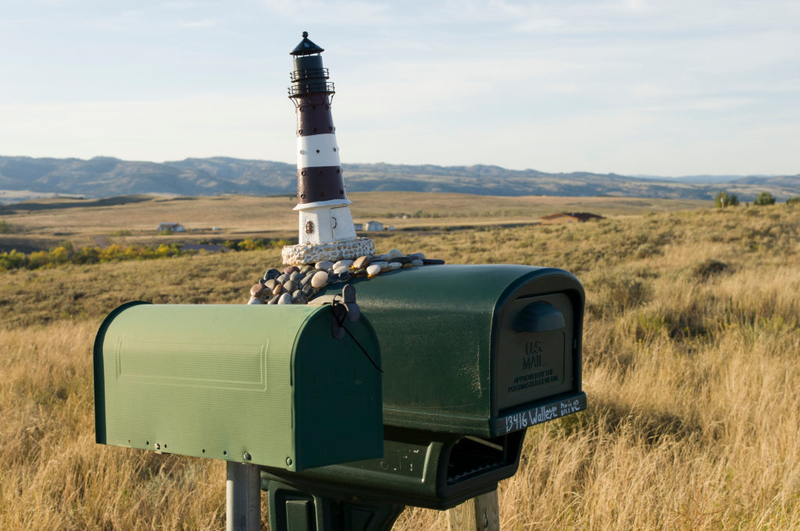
(326, 230)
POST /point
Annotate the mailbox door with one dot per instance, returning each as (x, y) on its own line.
(534, 349)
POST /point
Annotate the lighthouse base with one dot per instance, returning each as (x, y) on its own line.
(302, 254)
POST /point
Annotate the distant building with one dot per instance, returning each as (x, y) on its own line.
(569, 217)
(370, 226)
(172, 227)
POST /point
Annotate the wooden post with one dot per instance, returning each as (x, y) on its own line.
(481, 513)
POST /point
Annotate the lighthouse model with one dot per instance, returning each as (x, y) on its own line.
(326, 224)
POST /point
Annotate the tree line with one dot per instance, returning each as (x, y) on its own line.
(724, 199)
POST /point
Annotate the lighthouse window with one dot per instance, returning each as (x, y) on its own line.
(309, 227)
(317, 151)
(334, 149)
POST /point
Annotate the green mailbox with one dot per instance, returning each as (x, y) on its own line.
(246, 383)
(472, 356)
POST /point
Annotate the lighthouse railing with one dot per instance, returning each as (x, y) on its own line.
(310, 88)
(311, 73)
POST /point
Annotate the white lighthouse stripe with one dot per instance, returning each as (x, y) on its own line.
(317, 150)
(319, 204)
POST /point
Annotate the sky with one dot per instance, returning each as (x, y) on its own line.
(635, 87)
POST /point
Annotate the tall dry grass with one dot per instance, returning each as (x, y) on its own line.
(691, 353)
(53, 475)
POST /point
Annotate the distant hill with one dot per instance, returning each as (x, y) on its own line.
(25, 177)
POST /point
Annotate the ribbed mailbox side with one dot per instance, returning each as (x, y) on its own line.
(223, 382)
(444, 334)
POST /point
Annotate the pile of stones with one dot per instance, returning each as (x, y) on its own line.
(298, 285)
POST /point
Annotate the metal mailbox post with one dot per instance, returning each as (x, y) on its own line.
(471, 357)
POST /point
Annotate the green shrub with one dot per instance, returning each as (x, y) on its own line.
(63, 254)
(764, 199)
(12, 260)
(249, 244)
(793, 201)
(709, 268)
(259, 244)
(6, 227)
(724, 199)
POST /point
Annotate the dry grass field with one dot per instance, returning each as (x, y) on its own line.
(133, 220)
(692, 339)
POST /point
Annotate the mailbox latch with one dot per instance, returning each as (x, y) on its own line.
(343, 306)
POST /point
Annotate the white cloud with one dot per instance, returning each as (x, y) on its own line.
(541, 25)
(332, 13)
(182, 5)
(725, 103)
(194, 24)
(645, 91)
(635, 5)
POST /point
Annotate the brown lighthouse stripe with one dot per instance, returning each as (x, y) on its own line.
(321, 183)
(314, 120)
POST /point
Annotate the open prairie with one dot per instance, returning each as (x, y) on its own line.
(133, 219)
(691, 348)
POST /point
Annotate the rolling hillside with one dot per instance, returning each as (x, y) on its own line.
(24, 178)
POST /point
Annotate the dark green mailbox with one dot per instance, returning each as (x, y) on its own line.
(254, 384)
(472, 356)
